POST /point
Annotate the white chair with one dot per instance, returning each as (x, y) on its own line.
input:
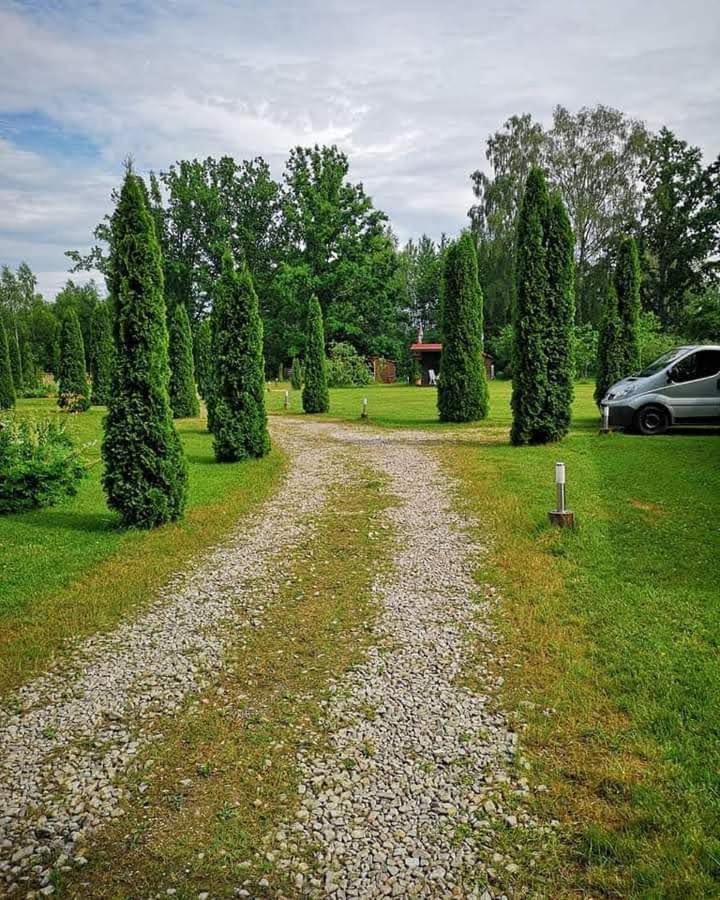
(432, 377)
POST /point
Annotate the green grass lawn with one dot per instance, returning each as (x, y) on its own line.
(73, 564)
(613, 629)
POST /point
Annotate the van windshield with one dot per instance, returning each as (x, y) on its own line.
(662, 362)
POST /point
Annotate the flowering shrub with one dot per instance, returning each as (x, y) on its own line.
(38, 465)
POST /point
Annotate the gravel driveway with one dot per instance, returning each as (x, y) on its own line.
(407, 801)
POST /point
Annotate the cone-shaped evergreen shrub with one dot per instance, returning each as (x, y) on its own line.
(145, 475)
(202, 351)
(627, 287)
(530, 315)
(239, 419)
(183, 394)
(7, 388)
(463, 392)
(611, 356)
(315, 395)
(296, 374)
(31, 373)
(73, 387)
(560, 266)
(103, 362)
(15, 359)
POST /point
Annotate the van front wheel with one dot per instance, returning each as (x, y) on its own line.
(652, 420)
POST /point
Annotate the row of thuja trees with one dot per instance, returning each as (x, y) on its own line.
(543, 319)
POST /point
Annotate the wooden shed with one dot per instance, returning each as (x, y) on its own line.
(429, 357)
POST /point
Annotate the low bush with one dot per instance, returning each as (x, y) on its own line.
(39, 465)
(346, 368)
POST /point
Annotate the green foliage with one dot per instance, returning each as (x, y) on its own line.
(145, 470)
(500, 348)
(680, 221)
(611, 358)
(346, 368)
(530, 315)
(462, 393)
(103, 361)
(239, 419)
(38, 465)
(183, 394)
(315, 396)
(82, 300)
(31, 375)
(627, 286)
(415, 372)
(421, 267)
(73, 387)
(7, 388)
(701, 321)
(15, 358)
(202, 351)
(585, 343)
(296, 374)
(653, 340)
(560, 307)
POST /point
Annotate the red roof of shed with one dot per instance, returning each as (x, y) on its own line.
(426, 346)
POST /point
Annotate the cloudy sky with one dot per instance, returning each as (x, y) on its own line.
(410, 90)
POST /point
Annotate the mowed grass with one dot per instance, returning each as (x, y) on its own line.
(68, 570)
(613, 631)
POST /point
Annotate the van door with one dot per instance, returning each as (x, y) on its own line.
(693, 388)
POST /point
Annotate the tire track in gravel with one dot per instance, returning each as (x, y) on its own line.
(67, 737)
(407, 798)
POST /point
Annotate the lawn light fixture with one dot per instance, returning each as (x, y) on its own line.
(363, 414)
(605, 427)
(286, 402)
(561, 517)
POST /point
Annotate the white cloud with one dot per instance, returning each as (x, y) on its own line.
(409, 90)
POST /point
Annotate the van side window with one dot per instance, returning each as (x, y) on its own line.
(708, 363)
(685, 370)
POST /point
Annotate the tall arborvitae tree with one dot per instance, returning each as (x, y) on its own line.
(627, 287)
(559, 262)
(103, 362)
(202, 353)
(31, 374)
(463, 392)
(315, 395)
(73, 387)
(296, 374)
(7, 388)
(183, 393)
(239, 419)
(611, 356)
(145, 470)
(15, 359)
(530, 315)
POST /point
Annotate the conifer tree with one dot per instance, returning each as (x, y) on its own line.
(202, 351)
(611, 356)
(530, 315)
(15, 359)
(239, 418)
(463, 391)
(560, 308)
(73, 387)
(31, 375)
(627, 287)
(145, 475)
(296, 374)
(7, 388)
(103, 362)
(315, 395)
(183, 393)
